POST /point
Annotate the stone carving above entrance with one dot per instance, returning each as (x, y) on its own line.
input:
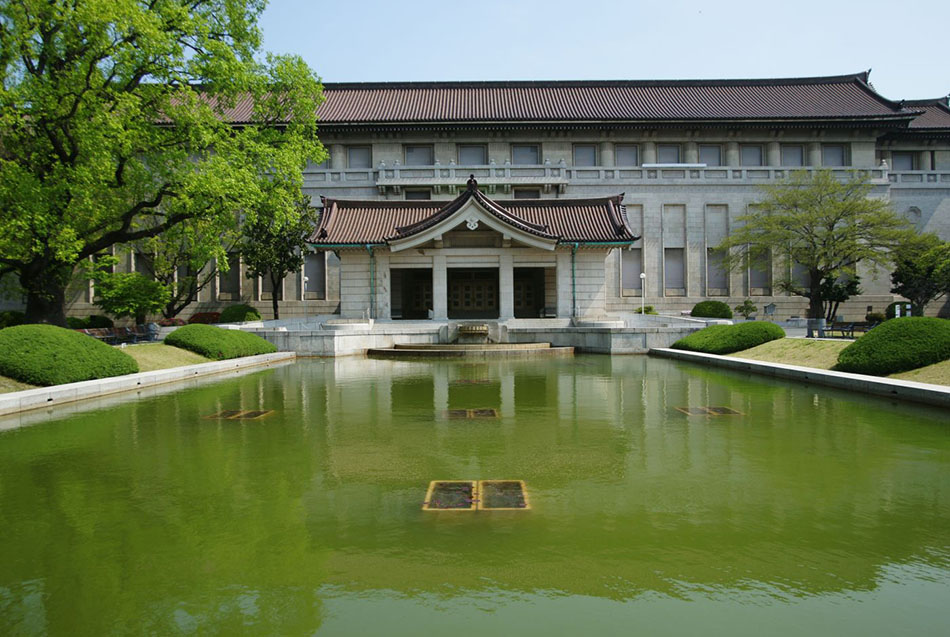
(471, 222)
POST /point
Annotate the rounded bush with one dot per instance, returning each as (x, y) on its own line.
(9, 318)
(711, 309)
(891, 312)
(204, 318)
(98, 321)
(77, 322)
(898, 345)
(50, 355)
(218, 343)
(239, 314)
(726, 339)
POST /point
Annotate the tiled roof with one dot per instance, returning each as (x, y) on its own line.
(822, 98)
(346, 222)
(936, 113)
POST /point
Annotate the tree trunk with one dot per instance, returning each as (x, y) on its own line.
(45, 285)
(815, 310)
(273, 295)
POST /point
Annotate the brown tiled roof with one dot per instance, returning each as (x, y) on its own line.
(936, 113)
(346, 222)
(822, 98)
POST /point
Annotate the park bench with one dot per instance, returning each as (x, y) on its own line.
(843, 330)
(117, 335)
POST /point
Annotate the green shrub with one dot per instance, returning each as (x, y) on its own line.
(9, 318)
(897, 346)
(239, 313)
(205, 318)
(647, 309)
(747, 309)
(726, 339)
(711, 309)
(98, 321)
(891, 312)
(50, 355)
(218, 343)
(77, 322)
(875, 317)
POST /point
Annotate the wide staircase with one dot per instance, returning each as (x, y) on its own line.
(472, 350)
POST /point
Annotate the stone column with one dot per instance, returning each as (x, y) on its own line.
(337, 157)
(925, 163)
(814, 154)
(732, 154)
(564, 283)
(692, 153)
(773, 154)
(440, 282)
(649, 153)
(383, 287)
(607, 154)
(506, 287)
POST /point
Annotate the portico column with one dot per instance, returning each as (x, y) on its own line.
(773, 154)
(506, 287)
(383, 287)
(814, 154)
(732, 153)
(563, 284)
(440, 282)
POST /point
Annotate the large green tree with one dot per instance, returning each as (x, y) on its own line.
(821, 224)
(121, 119)
(914, 277)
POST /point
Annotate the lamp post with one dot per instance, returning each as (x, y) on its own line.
(643, 292)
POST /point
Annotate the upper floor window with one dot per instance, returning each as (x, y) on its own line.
(903, 160)
(418, 195)
(359, 157)
(473, 155)
(710, 154)
(668, 153)
(627, 155)
(750, 155)
(527, 193)
(324, 165)
(526, 154)
(833, 155)
(793, 155)
(585, 154)
(421, 155)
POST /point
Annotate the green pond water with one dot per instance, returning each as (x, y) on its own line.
(810, 512)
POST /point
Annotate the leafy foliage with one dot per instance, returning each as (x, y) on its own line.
(84, 164)
(819, 223)
(647, 309)
(87, 322)
(834, 292)
(9, 318)
(916, 261)
(205, 318)
(49, 355)
(239, 313)
(898, 345)
(132, 294)
(218, 343)
(746, 309)
(891, 310)
(711, 309)
(726, 339)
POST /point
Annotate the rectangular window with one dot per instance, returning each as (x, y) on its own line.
(627, 155)
(267, 288)
(473, 155)
(527, 193)
(525, 154)
(793, 155)
(631, 265)
(833, 155)
(315, 276)
(717, 278)
(750, 155)
(142, 263)
(710, 154)
(801, 276)
(421, 155)
(668, 153)
(760, 279)
(674, 271)
(418, 195)
(229, 283)
(903, 160)
(359, 157)
(324, 165)
(585, 155)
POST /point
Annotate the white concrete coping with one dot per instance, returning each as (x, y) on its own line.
(888, 387)
(15, 402)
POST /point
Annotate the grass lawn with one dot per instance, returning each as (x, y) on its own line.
(150, 356)
(938, 374)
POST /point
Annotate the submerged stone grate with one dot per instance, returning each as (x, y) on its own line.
(709, 411)
(481, 495)
(502, 495)
(239, 414)
(458, 414)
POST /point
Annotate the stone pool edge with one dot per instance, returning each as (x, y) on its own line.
(20, 401)
(937, 395)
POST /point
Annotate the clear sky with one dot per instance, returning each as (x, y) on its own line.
(906, 44)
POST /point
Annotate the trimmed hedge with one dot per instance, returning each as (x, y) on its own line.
(218, 343)
(96, 321)
(9, 318)
(50, 355)
(239, 314)
(711, 309)
(898, 345)
(204, 318)
(726, 339)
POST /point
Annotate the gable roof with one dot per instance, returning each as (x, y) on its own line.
(935, 113)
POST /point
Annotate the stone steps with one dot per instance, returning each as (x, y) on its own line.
(488, 350)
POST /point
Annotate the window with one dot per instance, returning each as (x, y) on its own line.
(668, 153)
(793, 155)
(750, 155)
(717, 277)
(631, 265)
(229, 283)
(142, 263)
(833, 155)
(418, 195)
(760, 280)
(359, 157)
(903, 160)
(324, 165)
(315, 276)
(674, 271)
(627, 155)
(267, 288)
(710, 154)
(585, 155)
(525, 154)
(422, 155)
(527, 193)
(473, 155)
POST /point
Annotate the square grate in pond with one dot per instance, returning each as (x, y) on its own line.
(457, 414)
(502, 495)
(239, 414)
(693, 411)
(709, 411)
(451, 495)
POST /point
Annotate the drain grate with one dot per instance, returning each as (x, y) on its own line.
(502, 495)
(451, 495)
(239, 414)
(471, 413)
(709, 411)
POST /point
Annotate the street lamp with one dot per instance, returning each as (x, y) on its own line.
(643, 292)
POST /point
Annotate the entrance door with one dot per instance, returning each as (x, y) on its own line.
(473, 293)
(529, 292)
(411, 293)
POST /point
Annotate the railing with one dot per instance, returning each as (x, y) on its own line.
(920, 178)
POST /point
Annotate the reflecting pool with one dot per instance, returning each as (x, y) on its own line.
(808, 511)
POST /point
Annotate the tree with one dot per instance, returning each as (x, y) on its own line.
(916, 260)
(819, 223)
(834, 292)
(117, 124)
(132, 294)
(273, 250)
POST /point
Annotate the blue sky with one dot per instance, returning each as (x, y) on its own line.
(372, 40)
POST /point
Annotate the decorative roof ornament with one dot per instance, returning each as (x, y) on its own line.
(472, 184)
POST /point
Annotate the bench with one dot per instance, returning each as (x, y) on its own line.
(117, 335)
(844, 330)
